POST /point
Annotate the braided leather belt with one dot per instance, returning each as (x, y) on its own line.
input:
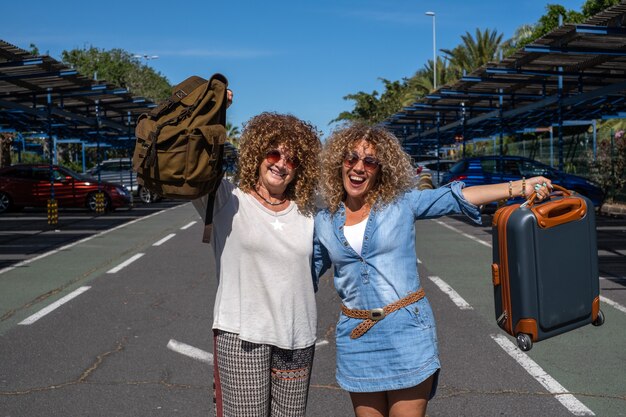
(371, 317)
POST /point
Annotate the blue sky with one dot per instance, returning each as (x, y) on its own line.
(298, 57)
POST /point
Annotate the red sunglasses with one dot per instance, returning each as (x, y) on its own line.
(369, 162)
(274, 155)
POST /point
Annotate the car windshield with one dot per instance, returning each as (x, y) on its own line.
(67, 171)
(532, 169)
(116, 166)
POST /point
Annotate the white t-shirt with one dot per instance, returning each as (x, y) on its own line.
(354, 235)
(263, 259)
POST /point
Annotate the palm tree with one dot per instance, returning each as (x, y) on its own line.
(521, 37)
(474, 52)
(232, 134)
(422, 82)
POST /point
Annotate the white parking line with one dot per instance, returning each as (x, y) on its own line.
(204, 356)
(560, 393)
(165, 239)
(321, 343)
(53, 306)
(474, 238)
(125, 263)
(66, 247)
(190, 351)
(454, 296)
(613, 304)
(187, 226)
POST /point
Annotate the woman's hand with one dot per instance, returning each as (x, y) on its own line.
(229, 97)
(540, 185)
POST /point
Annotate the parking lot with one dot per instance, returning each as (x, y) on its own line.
(26, 234)
(135, 339)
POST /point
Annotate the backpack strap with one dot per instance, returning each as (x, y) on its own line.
(208, 218)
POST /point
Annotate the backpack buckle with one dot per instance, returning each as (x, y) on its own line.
(180, 93)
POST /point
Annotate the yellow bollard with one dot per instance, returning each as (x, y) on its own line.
(53, 211)
(100, 202)
(425, 181)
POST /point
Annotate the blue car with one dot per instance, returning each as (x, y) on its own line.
(496, 169)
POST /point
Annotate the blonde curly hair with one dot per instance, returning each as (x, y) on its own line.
(396, 170)
(268, 131)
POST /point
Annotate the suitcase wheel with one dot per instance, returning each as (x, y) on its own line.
(524, 341)
(599, 321)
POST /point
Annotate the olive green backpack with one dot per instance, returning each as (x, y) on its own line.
(180, 143)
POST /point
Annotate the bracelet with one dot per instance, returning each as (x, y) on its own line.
(510, 190)
(523, 187)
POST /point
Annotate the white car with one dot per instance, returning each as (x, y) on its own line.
(120, 170)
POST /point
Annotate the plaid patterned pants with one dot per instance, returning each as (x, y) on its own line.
(252, 380)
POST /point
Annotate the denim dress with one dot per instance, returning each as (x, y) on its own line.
(399, 351)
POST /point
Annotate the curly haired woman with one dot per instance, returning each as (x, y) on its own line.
(264, 319)
(387, 355)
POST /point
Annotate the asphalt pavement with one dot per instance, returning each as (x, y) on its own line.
(110, 316)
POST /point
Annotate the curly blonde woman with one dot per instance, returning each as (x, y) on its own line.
(264, 318)
(387, 354)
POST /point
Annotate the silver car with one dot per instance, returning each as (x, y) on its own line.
(430, 166)
(120, 170)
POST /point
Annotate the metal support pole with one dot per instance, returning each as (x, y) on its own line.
(560, 116)
(501, 119)
(82, 151)
(463, 128)
(52, 204)
(438, 149)
(432, 14)
(595, 150)
(131, 149)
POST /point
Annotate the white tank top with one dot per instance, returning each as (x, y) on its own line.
(354, 235)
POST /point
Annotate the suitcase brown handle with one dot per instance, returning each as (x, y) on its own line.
(554, 213)
(531, 200)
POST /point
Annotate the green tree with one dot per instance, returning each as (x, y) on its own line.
(609, 167)
(422, 82)
(33, 49)
(374, 107)
(520, 37)
(592, 7)
(120, 68)
(474, 51)
(232, 134)
(550, 21)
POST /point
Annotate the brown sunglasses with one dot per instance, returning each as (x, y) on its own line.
(369, 162)
(274, 155)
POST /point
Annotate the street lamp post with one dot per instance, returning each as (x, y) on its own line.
(146, 57)
(432, 14)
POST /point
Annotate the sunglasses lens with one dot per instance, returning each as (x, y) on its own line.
(351, 159)
(272, 156)
(370, 163)
(293, 163)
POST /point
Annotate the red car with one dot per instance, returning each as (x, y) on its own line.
(29, 185)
